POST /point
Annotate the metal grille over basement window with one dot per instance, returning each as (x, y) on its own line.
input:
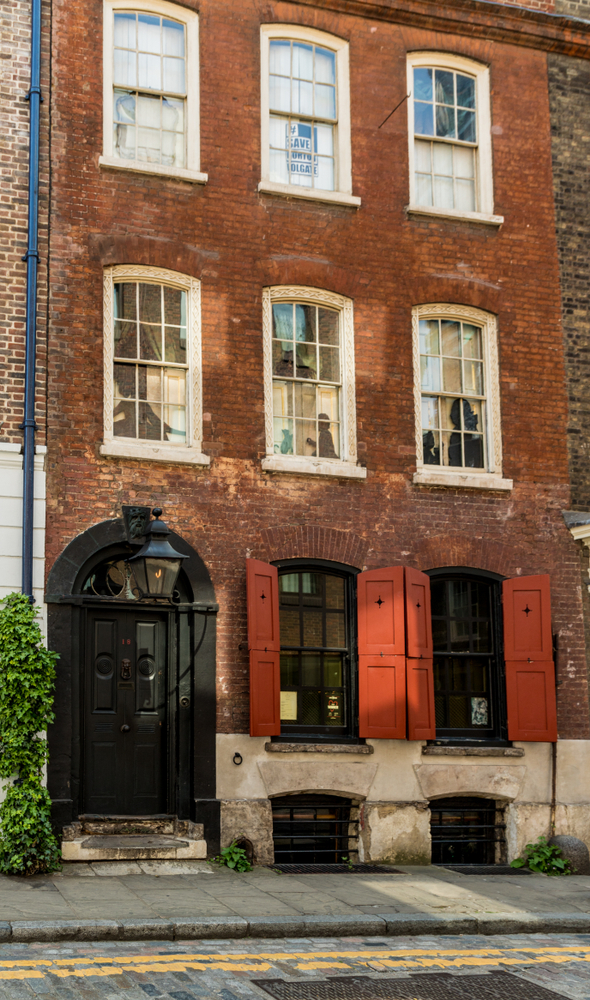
(313, 829)
(466, 831)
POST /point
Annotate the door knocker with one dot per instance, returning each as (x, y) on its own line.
(126, 670)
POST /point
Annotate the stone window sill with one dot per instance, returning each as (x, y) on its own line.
(467, 480)
(309, 194)
(310, 466)
(450, 213)
(154, 453)
(318, 748)
(134, 167)
(472, 752)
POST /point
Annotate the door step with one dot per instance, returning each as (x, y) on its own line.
(131, 838)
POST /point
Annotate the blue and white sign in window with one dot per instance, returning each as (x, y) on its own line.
(302, 114)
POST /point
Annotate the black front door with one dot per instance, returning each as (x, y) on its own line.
(125, 713)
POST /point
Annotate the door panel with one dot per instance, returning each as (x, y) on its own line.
(125, 713)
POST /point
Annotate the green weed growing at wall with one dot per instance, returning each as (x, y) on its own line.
(27, 676)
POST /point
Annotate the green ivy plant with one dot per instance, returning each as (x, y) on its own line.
(27, 677)
(234, 857)
(545, 858)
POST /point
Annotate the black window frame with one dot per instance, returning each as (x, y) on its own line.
(499, 735)
(296, 734)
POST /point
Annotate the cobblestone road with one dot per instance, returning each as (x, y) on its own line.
(225, 969)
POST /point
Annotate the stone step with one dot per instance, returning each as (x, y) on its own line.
(132, 838)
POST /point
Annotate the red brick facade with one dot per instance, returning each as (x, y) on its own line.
(237, 241)
(15, 40)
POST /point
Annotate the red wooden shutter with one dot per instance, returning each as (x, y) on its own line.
(381, 647)
(420, 677)
(528, 651)
(264, 645)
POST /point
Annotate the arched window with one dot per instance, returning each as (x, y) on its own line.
(468, 686)
(316, 640)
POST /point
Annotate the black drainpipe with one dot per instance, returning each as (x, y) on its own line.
(32, 258)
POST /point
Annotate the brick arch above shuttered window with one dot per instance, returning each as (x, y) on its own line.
(311, 541)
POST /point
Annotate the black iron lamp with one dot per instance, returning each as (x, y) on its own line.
(157, 565)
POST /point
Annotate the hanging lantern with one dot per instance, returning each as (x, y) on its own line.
(157, 565)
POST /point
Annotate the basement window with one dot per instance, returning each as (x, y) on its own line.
(467, 831)
(314, 829)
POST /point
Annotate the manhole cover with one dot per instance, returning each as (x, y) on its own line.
(335, 869)
(423, 986)
(486, 869)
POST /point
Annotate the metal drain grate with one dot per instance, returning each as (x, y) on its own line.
(424, 986)
(486, 869)
(336, 869)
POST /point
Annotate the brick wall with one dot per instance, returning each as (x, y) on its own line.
(15, 49)
(573, 8)
(237, 241)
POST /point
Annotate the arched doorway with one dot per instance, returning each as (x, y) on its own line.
(135, 696)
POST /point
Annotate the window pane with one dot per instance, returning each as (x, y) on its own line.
(438, 597)
(465, 196)
(280, 93)
(174, 76)
(430, 412)
(458, 712)
(150, 342)
(466, 126)
(458, 672)
(124, 106)
(149, 383)
(124, 378)
(290, 626)
(451, 338)
(173, 36)
(334, 594)
(124, 419)
(471, 341)
(306, 437)
(333, 708)
(279, 133)
(451, 413)
(423, 118)
(148, 39)
(459, 598)
(479, 712)
(125, 300)
(330, 364)
(328, 403)
(444, 87)
(282, 436)
(305, 400)
(422, 156)
(325, 66)
(481, 644)
(150, 303)
(302, 97)
(175, 344)
(429, 340)
(124, 142)
(148, 111)
(431, 448)
(148, 145)
(423, 189)
(279, 167)
(302, 61)
(423, 84)
(280, 58)
(282, 358)
(149, 422)
(473, 451)
(324, 139)
(451, 452)
(325, 101)
(175, 424)
(310, 708)
(443, 192)
(465, 91)
(282, 399)
(305, 323)
(451, 375)
(335, 636)
(329, 444)
(439, 634)
(442, 157)
(148, 71)
(175, 386)
(430, 368)
(328, 327)
(124, 69)
(445, 122)
(125, 30)
(313, 634)
(324, 180)
(463, 160)
(473, 373)
(289, 667)
(175, 306)
(333, 669)
(125, 339)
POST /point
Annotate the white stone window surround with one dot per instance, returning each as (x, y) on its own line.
(342, 194)
(429, 475)
(156, 451)
(484, 174)
(192, 172)
(342, 467)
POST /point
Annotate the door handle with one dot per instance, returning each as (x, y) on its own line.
(125, 728)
